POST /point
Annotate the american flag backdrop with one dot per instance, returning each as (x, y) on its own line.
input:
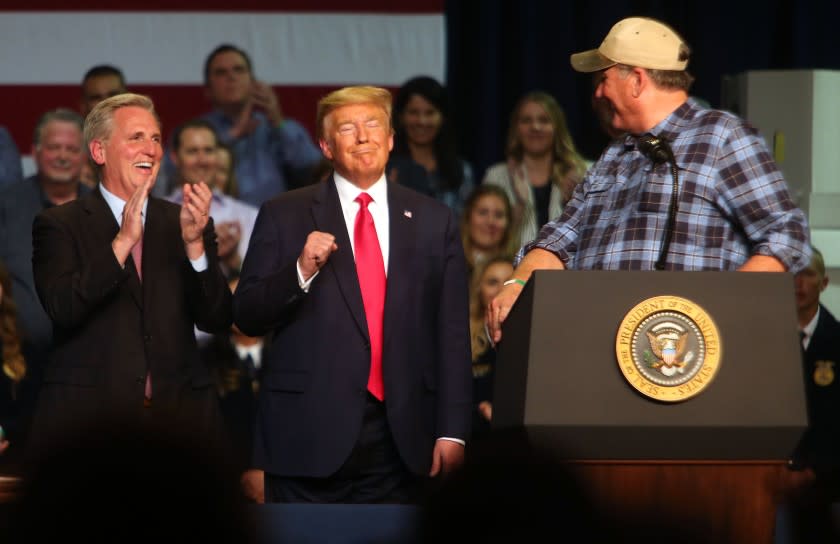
(302, 48)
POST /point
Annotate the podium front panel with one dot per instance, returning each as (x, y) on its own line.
(557, 373)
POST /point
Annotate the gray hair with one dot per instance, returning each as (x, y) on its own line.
(61, 114)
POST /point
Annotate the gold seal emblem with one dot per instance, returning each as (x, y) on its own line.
(824, 373)
(668, 348)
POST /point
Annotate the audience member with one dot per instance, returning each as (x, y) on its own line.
(815, 482)
(425, 136)
(723, 202)
(195, 155)
(59, 153)
(273, 152)
(363, 283)
(124, 341)
(100, 82)
(131, 482)
(235, 360)
(486, 226)
(10, 165)
(486, 284)
(542, 166)
(512, 491)
(18, 385)
(224, 179)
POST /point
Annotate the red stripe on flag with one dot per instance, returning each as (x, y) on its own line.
(174, 104)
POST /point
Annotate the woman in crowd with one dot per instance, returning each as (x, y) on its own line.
(16, 387)
(486, 225)
(425, 156)
(225, 178)
(542, 166)
(487, 284)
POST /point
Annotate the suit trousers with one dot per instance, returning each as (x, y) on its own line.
(373, 473)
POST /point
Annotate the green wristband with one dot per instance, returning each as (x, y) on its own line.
(514, 280)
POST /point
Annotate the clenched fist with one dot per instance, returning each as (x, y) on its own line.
(317, 250)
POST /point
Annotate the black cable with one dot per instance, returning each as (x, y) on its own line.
(658, 151)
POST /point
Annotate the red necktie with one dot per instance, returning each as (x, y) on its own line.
(371, 271)
(137, 256)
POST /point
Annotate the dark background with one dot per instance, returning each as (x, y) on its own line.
(499, 50)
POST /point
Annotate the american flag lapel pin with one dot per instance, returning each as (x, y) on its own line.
(407, 213)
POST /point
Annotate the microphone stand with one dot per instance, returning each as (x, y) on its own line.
(658, 151)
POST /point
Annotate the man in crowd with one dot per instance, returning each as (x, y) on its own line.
(731, 209)
(365, 394)
(273, 153)
(10, 166)
(194, 154)
(100, 82)
(124, 342)
(59, 153)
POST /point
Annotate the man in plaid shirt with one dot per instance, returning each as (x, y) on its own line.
(733, 209)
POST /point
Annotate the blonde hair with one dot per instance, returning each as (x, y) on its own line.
(99, 122)
(506, 244)
(478, 336)
(347, 96)
(14, 365)
(568, 166)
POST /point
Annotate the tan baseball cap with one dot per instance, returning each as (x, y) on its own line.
(636, 41)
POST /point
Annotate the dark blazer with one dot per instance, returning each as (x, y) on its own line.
(19, 204)
(314, 383)
(820, 447)
(109, 329)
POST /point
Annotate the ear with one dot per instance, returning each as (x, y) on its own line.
(391, 141)
(325, 148)
(640, 81)
(97, 151)
(824, 283)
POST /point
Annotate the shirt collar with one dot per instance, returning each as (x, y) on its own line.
(255, 351)
(812, 325)
(117, 204)
(348, 192)
(677, 120)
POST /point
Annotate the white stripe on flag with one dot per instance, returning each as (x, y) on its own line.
(50, 48)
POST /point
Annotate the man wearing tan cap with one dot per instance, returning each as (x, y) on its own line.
(686, 188)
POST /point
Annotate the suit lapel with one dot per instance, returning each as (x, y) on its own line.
(328, 216)
(103, 229)
(402, 239)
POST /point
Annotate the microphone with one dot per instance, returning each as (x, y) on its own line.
(655, 148)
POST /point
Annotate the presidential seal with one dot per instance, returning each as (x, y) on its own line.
(668, 348)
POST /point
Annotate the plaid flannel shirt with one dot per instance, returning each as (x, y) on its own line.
(733, 203)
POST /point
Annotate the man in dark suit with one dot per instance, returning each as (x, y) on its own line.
(366, 387)
(124, 279)
(815, 485)
(59, 153)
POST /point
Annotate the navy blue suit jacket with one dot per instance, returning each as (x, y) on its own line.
(313, 392)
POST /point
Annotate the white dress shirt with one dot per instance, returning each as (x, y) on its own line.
(808, 330)
(378, 208)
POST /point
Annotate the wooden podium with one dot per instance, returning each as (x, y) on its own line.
(717, 458)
